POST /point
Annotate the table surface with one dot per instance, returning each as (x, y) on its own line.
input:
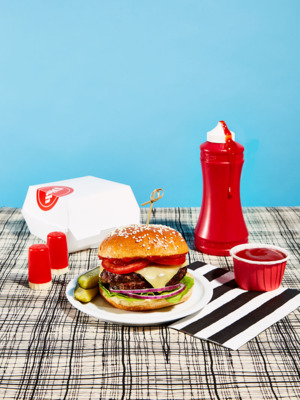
(50, 350)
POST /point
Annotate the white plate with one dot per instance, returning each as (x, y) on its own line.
(101, 309)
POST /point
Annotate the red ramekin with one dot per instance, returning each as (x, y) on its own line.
(260, 276)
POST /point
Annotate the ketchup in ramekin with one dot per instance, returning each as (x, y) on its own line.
(259, 267)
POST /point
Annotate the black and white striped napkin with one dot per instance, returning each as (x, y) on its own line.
(234, 316)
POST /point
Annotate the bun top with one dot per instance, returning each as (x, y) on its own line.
(141, 241)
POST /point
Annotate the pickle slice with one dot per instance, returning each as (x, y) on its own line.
(86, 295)
(90, 279)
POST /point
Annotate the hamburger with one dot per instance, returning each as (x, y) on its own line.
(144, 267)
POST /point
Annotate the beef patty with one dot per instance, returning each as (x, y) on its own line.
(134, 280)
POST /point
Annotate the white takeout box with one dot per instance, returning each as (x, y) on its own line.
(86, 209)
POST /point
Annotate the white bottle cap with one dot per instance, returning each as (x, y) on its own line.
(217, 134)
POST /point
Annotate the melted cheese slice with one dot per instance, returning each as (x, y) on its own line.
(159, 276)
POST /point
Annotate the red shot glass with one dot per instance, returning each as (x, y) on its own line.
(39, 270)
(58, 248)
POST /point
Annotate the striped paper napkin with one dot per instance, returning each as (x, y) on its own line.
(234, 316)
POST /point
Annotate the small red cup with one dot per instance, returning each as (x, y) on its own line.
(58, 248)
(39, 271)
(255, 275)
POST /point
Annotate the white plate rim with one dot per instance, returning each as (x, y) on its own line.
(161, 316)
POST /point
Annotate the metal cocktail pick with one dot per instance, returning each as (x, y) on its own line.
(153, 199)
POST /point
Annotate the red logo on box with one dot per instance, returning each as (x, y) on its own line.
(48, 196)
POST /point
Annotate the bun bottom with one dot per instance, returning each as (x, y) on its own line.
(141, 305)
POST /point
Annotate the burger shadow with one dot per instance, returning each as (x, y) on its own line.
(57, 293)
(92, 322)
(80, 315)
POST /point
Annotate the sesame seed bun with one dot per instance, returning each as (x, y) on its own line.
(141, 241)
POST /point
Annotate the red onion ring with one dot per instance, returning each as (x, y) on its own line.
(163, 289)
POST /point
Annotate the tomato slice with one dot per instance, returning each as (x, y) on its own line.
(169, 260)
(128, 265)
(111, 266)
(119, 262)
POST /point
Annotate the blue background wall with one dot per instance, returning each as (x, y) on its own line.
(126, 90)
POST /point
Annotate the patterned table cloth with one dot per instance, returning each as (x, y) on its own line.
(50, 350)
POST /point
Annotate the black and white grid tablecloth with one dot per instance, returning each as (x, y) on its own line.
(49, 350)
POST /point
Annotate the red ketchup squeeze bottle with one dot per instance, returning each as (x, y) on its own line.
(221, 224)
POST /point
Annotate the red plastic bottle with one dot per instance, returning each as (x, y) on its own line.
(221, 224)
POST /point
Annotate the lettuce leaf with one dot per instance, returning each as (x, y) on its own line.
(189, 283)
